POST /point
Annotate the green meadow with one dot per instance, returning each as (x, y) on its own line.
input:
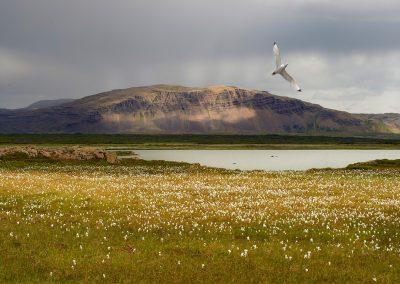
(157, 222)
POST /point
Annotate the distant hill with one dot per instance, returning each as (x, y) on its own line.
(177, 109)
(48, 103)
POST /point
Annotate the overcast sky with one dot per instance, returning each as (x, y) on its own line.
(345, 54)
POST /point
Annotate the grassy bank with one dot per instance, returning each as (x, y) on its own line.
(173, 222)
(205, 141)
(376, 164)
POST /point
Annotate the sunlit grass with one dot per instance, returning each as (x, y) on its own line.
(169, 222)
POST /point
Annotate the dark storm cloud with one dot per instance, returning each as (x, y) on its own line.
(57, 49)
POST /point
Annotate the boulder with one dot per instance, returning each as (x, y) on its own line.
(111, 157)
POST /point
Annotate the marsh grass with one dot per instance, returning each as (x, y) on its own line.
(142, 221)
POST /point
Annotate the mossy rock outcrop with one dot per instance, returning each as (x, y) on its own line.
(59, 153)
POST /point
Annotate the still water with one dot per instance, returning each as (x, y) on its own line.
(272, 160)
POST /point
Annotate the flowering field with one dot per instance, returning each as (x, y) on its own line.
(169, 222)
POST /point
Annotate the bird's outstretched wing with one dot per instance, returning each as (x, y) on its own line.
(277, 55)
(290, 79)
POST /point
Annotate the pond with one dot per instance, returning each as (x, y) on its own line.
(271, 160)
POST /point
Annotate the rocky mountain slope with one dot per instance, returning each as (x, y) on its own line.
(391, 121)
(177, 109)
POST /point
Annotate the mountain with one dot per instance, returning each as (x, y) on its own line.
(48, 103)
(390, 121)
(177, 109)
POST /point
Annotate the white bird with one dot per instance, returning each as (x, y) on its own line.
(281, 69)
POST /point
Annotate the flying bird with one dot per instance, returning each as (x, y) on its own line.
(281, 69)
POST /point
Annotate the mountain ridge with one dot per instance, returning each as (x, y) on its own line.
(48, 103)
(168, 109)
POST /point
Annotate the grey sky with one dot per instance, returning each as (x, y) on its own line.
(346, 55)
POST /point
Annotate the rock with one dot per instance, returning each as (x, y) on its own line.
(45, 154)
(111, 157)
(63, 153)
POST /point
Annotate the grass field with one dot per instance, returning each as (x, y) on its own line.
(268, 141)
(169, 222)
